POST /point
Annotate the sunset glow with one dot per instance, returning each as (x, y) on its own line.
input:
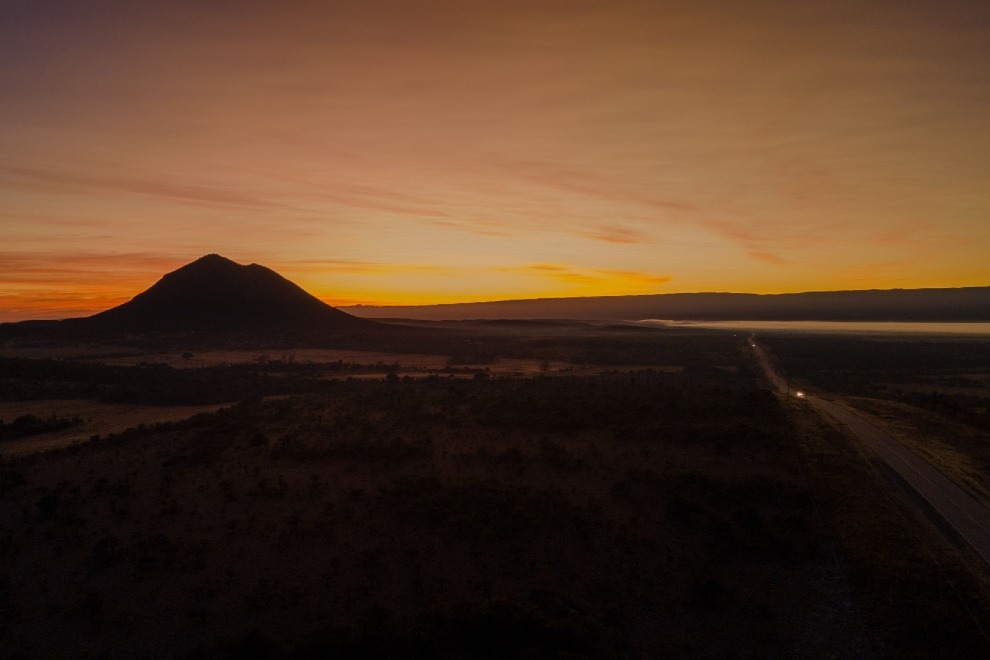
(451, 151)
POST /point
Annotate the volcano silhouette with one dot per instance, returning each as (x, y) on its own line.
(215, 294)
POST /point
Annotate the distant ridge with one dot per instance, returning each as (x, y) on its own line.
(959, 304)
(214, 296)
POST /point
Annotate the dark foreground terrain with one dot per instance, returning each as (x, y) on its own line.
(670, 506)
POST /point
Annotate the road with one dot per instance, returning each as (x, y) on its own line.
(963, 513)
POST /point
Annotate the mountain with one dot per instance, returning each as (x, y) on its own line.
(211, 297)
(215, 294)
(959, 304)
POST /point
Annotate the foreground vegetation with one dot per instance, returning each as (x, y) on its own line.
(636, 513)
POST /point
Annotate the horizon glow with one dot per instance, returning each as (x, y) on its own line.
(451, 151)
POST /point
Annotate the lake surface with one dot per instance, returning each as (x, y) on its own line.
(831, 327)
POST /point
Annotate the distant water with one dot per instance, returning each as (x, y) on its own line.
(832, 327)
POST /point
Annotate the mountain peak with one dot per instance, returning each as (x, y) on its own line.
(211, 261)
(212, 257)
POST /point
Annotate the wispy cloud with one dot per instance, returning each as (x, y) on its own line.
(549, 268)
(60, 181)
(593, 281)
(587, 185)
(768, 257)
(88, 269)
(477, 227)
(635, 277)
(617, 234)
(321, 266)
(912, 234)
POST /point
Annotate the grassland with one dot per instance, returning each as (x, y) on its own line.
(932, 393)
(621, 512)
(95, 418)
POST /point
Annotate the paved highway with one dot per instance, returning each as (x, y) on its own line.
(967, 516)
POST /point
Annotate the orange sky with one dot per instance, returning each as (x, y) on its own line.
(460, 150)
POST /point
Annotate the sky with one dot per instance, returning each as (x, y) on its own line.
(406, 152)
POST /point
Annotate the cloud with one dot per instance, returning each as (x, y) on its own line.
(57, 181)
(768, 257)
(635, 277)
(728, 219)
(594, 281)
(479, 228)
(592, 186)
(319, 266)
(617, 234)
(911, 234)
(83, 269)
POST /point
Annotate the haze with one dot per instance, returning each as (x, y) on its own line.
(409, 153)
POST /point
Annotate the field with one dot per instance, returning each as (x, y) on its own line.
(584, 509)
(948, 376)
(932, 393)
(95, 418)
